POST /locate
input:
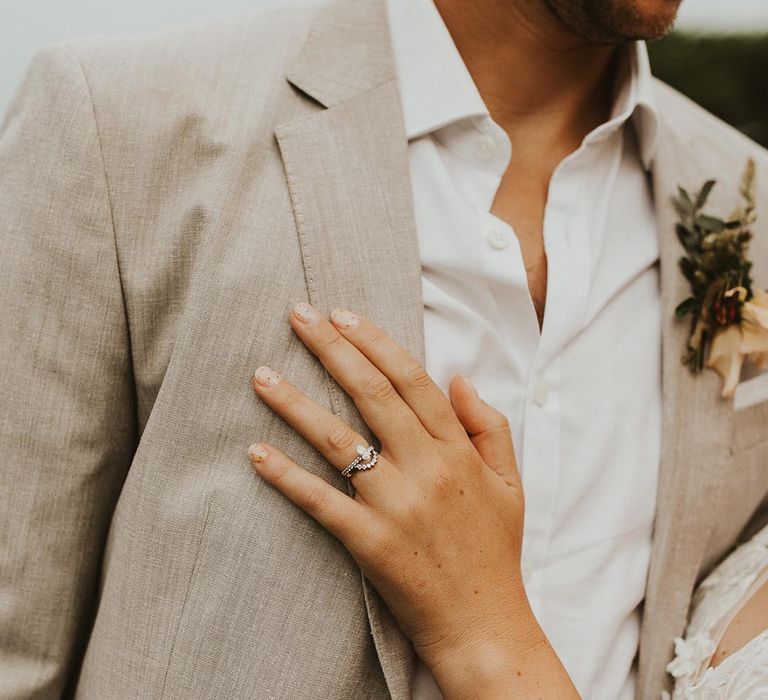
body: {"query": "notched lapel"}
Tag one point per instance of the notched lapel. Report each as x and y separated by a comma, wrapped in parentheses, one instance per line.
(348, 174)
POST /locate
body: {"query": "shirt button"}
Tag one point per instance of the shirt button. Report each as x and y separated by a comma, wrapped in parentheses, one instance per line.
(498, 238)
(540, 393)
(484, 148)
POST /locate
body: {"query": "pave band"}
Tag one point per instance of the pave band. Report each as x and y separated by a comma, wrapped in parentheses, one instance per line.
(366, 458)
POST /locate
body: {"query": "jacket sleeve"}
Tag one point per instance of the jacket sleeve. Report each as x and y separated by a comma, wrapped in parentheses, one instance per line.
(67, 400)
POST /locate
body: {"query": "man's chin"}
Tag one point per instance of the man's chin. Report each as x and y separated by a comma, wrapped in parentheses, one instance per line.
(616, 21)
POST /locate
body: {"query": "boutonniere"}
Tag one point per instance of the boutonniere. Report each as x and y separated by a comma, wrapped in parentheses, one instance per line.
(729, 319)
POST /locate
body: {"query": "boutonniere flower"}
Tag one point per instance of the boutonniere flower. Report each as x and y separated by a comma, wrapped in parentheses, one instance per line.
(729, 319)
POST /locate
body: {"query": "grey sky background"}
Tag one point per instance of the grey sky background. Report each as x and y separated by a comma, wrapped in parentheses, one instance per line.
(27, 25)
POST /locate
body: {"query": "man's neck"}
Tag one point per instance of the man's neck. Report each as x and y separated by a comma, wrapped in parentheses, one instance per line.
(538, 79)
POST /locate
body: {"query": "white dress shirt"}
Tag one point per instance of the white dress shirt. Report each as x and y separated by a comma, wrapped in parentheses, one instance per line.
(583, 396)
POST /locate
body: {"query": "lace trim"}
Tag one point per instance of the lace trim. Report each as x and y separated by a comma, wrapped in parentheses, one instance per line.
(716, 602)
(741, 676)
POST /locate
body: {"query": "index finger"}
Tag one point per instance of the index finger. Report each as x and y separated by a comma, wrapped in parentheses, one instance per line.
(408, 376)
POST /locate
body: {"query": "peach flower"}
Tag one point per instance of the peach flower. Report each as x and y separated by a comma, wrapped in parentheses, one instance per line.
(747, 339)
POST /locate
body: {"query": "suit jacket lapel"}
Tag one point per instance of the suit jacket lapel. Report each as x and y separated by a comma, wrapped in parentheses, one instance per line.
(348, 175)
(696, 430)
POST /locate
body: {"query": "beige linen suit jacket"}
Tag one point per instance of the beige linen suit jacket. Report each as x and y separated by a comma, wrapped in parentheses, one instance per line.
(164, 200)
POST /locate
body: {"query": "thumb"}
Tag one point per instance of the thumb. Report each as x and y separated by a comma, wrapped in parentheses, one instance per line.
(488, 429)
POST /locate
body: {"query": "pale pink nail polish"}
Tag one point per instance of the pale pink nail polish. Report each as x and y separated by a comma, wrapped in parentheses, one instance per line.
(305, 313)
(257, 453)
(266, 376)
(344, 318)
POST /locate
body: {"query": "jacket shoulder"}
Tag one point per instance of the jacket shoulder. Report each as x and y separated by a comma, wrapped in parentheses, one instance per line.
(183, 49)
(213, 71)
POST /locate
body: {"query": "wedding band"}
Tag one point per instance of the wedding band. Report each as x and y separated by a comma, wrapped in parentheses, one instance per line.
(366, 458)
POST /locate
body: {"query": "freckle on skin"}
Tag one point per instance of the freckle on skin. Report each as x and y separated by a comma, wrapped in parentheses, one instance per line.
(415, 554)
(475, 592)
(439, 566)
(461, 492)
(519, 673)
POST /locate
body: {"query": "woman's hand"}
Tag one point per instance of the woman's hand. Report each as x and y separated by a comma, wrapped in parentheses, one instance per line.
(436, 525)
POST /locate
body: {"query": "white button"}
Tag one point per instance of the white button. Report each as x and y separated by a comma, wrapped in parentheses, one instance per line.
(540, 393)
(498, 238)
(484, 147)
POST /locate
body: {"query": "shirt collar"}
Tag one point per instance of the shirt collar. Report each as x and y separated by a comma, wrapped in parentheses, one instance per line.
(436, 89)
(633, 100)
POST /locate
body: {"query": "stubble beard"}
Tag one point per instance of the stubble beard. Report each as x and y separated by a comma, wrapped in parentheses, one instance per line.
(610, 21)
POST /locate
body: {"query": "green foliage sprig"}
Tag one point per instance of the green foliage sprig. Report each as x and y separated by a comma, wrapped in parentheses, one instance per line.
(715, 262)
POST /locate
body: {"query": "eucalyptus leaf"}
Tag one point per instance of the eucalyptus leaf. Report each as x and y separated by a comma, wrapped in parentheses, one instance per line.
(704, 193)
(685, 198)
(683, 211)
(710, 223)
(685, 307)
(683, 234)
(688, 269)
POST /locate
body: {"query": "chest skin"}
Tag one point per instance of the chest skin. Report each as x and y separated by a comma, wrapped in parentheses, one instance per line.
(750, 621)
(520, 202)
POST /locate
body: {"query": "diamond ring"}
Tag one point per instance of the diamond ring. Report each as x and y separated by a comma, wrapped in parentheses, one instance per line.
(366, 458)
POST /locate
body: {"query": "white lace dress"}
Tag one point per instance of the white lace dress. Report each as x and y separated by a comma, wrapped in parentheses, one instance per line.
(744, 674)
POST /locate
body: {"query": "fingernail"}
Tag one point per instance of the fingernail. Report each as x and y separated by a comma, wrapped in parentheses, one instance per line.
(344, 318)
(257, 453)
(266, 376)
(305, 313)
(469, 384)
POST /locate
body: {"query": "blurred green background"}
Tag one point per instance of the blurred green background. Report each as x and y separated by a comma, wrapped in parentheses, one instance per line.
(728, 75)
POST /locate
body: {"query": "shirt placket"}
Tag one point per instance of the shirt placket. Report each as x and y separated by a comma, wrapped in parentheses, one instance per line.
(568, 263)
(485, 145)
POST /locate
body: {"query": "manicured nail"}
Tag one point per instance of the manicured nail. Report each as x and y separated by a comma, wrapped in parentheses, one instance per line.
(266, 376)
(469, 384)
(305, 313)
(344, 318)
(257, 453)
